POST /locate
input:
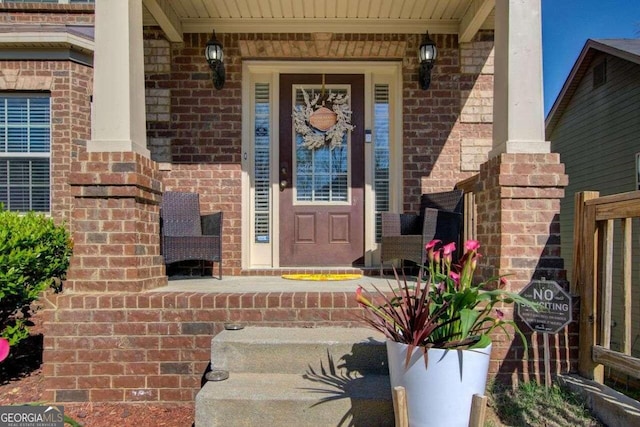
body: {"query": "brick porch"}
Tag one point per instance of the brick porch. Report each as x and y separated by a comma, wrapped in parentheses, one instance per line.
(155, 346)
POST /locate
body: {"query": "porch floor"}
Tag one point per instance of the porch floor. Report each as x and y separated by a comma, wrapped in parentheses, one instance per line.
(268, 284)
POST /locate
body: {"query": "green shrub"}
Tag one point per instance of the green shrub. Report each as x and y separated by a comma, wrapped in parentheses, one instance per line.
(34, 255)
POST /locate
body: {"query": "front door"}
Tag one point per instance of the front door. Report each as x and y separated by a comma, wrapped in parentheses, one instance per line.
(321, 189)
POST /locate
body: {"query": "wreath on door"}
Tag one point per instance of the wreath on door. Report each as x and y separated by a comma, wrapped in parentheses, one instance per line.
(320, 125)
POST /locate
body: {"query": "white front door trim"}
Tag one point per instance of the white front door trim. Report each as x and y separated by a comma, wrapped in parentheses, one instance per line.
(266, 255)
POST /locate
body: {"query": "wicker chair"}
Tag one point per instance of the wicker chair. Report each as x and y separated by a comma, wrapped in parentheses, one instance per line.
(185, 234)
(404, 236)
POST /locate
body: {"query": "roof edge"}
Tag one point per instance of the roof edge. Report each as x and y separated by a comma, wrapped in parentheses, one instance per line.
(608, 46)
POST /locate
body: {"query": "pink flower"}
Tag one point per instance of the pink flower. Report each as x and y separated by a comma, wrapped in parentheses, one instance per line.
(4, 348)
(432, 244)
(503, 283)
(499, 314)
(449, 248)
(455, 277)
(430, 247)
(471, 245)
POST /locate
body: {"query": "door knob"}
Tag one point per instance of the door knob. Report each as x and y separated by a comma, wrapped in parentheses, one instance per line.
(283, 176)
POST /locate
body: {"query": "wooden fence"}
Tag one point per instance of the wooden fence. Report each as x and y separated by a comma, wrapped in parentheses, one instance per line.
(470, 207)
(593, 268)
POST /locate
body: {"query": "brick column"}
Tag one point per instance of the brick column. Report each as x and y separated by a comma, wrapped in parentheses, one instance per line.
(518, 208)
(518, 226)
(115, 224)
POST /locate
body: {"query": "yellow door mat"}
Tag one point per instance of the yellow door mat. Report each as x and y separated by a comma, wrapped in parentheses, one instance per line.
(321, 277)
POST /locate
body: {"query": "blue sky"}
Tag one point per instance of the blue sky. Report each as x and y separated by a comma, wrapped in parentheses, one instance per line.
(566, 26)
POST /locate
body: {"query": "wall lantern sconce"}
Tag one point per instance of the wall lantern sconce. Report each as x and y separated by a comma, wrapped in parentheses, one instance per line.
(215, 57)
(427, 56)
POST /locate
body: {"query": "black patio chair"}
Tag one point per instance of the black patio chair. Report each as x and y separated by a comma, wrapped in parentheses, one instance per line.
(185, 233)
(405, 235)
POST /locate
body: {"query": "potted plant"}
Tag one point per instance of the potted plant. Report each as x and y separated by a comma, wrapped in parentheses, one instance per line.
(438, 333)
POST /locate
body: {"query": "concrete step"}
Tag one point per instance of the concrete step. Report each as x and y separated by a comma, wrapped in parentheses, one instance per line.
(297, 350)
(314, 400)
(297, 377)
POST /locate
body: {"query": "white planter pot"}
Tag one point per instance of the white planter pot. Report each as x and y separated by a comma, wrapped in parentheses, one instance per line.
(440, 394)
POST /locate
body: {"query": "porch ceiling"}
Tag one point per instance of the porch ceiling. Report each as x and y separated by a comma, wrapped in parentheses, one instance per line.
(461, 17)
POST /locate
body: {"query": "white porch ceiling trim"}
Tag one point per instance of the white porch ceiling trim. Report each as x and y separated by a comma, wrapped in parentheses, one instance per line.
(320, 25)
(46, 39)
(166, 19)
(474, 17)
(462, 17)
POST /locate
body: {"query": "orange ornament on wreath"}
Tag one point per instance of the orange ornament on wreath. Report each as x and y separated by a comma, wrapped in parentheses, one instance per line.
(323, 119)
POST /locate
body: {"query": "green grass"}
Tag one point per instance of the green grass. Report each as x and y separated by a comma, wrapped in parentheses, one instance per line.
(533, 405)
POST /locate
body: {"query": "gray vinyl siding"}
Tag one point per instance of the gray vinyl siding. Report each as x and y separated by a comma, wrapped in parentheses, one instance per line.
(597, 137)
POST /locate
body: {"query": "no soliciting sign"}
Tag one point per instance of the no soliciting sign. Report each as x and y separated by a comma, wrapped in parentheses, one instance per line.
(555, 306)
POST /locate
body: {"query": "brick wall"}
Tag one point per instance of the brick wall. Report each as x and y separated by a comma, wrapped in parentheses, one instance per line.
(195, 131)
(443, 145)
(69, 85)
(205, 124)
(157, 69)
(476, 101)
(155, 346)
(38, 13)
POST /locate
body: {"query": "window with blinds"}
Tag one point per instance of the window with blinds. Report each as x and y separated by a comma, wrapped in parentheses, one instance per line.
(25, 144)
(261, 153)
(381, 120)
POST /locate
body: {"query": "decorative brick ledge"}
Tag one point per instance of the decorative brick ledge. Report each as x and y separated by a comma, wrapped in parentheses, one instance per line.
(47, 8)
(116, 174)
